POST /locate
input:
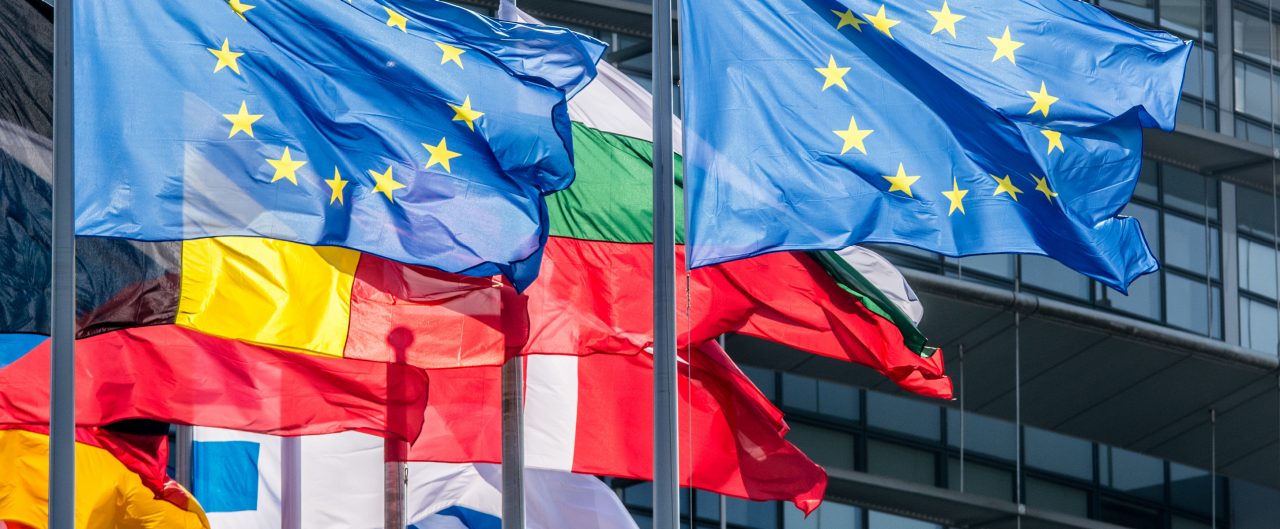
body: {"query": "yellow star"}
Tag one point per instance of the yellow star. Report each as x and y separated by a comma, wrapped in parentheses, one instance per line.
(853, 137)
(1055, 140)
(465, 113)
(946, 20)
(881, 22)
(956, 196)
(901, 182)
(1005, 46)
(396, 20)
(1042, 185)
(242, 121)
(336, 186)
(239, 7)
(1005, 185)
(385, 183)
(847, 18)
(1043, 100)
(835, 75)
(440, 154)
(226, 57)
(451, 54)
(286, 167)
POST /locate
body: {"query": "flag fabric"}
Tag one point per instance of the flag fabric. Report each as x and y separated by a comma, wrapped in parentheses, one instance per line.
(240, 479)
(176, 375)
(958, 129)
(120, 482)
(381, 126)
(581, 415)
(469, 496)
(594, 294)
(328, 301)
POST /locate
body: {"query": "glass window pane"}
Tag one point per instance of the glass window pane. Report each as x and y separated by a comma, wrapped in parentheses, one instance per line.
(1046, 273)
(1190, 192)
(830, 515)
(1253, 93)
(829, 448)
(1143, 10)
(1253, 506)
(1058, 453)
(897, 461)
(1188, 304)
(1186, 242)
(1255, 212)
(1258, 322)
(1257, 268)
(763, 379)
(753, 514)
(879, 520)
(980, 479)
(998, 266)
(1190, 489)
(904, 415)
(1148, 182)
(1144, 298)
(799, 392)
(838, 400)
(1193, 80)
(982, 434)
(1131, 472)
(1190, 113)
(822, 396)
(1052, 496)
(1252, 36)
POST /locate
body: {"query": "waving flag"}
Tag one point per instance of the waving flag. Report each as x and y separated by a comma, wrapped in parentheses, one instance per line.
(949, 126)
(120, 483)
(589, 414)
(594, 298)
(240, 479)
(380, 126)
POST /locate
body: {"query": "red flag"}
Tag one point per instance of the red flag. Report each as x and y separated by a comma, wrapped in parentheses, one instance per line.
(593, 414)
(172, 374)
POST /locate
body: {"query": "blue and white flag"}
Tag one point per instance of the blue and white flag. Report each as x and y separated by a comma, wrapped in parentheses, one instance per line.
(238, 477)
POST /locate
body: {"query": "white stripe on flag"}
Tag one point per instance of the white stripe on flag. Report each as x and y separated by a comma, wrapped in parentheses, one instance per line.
(551, 411)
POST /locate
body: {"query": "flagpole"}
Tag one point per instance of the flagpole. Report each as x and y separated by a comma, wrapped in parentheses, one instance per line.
(62, 393)
(666, 455)
(513, 505)
(395, 452)
(291, 483)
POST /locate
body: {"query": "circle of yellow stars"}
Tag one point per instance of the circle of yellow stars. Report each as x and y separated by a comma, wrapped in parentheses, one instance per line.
(945, 21)
(286, 166)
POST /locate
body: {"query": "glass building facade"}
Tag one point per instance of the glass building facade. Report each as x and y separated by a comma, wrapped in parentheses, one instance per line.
(1215, 233)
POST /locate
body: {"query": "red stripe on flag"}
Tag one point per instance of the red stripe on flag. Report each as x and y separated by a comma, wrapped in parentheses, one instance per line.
(172, 374)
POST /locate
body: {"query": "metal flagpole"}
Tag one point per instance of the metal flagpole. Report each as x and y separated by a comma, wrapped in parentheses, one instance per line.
(62, 416)
(395, 474)
(291, 483)
(666, 455)
(513, 444)
(183, 455)
(513, 508)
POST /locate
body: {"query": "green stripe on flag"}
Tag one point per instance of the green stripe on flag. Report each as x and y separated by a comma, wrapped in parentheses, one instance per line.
(611, 198)
(871, 297)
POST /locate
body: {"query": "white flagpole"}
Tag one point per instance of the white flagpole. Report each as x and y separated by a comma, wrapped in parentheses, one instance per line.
(62, 413)
(666, 455)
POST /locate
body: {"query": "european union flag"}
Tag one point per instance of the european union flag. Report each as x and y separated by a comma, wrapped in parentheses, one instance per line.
(958, 126)
(414, 130)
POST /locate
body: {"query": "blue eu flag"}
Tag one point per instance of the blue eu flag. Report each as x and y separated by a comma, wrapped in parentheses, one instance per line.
(414, 130)
(958, 126)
